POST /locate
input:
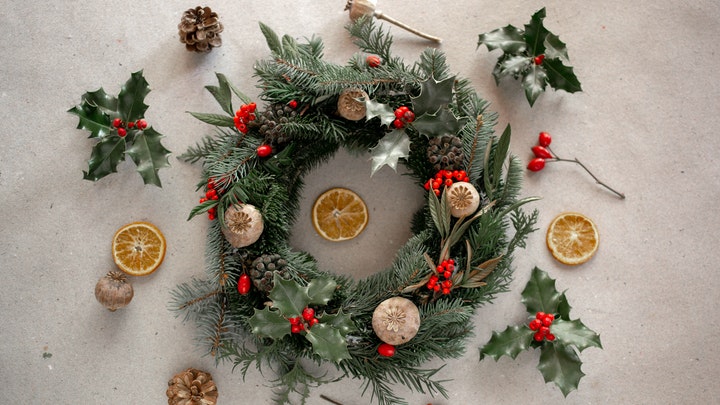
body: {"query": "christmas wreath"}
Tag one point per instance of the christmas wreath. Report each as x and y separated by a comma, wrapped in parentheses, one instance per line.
(265, 303)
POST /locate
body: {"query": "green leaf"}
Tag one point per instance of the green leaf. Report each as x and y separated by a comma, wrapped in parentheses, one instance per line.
(437, 213)
(99, 98)
(433, 95)
(93, 119)
(272, 39)
(289, 297)
(564, 307)
(575, 333)
(540, 294)
(214, 119)
(510, 342)
(383, 111)
(554, 47)
(560, 76)
(130, 100)
(561, 365)
(534, 82)
(149, 155)
(440, 123)
(222, 94)
(328, 342)
(389, 149)
(512, 65)
(105, 157)
(339, 321)
(321, 290)
(267, 323)
(202, 208)
(501, 152)
(535, 33)
(509, 39)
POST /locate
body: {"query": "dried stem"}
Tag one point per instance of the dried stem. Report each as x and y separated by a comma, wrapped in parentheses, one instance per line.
(575, 160)
(381, 16)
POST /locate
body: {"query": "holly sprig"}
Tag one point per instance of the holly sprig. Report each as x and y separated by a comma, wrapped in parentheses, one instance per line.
(119, 126)
(559, 338)
(535, 54)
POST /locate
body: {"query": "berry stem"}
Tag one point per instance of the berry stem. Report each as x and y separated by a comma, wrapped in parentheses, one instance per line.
(381, 16)
(575, 160)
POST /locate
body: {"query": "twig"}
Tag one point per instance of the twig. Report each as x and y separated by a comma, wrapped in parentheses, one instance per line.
(332, 401)
(575, 160)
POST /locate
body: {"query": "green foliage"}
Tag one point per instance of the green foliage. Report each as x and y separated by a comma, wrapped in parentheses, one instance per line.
(521, 47)
(96, 112)
(559, 361)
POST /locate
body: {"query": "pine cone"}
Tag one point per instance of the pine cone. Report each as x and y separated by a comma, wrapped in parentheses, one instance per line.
(200, 29)
(270, 122)
(445, 153)
(192, 387)
(264, 268)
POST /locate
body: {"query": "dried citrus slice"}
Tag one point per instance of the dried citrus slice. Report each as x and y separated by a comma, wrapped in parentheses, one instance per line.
(138, 248)
(572, 238)
(339, 214)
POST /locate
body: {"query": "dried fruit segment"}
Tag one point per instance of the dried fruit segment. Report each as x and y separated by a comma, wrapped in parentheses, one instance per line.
(138, 248)
(339, 214)
(572, 238)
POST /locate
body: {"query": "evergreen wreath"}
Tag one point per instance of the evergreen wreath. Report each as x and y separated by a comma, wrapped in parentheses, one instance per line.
(264, 303)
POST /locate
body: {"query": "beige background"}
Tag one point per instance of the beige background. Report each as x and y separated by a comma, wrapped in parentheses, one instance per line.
(646, 123)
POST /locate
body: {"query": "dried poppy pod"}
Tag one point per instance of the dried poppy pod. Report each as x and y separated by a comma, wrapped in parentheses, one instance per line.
(349, 105)
(396, 320)
(464, 199)
(243, 225)
(113, 291)
(360, 8)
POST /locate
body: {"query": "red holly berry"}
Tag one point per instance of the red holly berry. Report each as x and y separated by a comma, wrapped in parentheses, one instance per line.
(313, 322)
(295, 320)
(541, 152)
(141, 124)
(121, 132)
(538, 336)
(264, 151)
(547, 321)
(131, 124)
(544, 139)
(536, 164)
(373, 61)
(400, 111)
(386, 350)
(397, 123)
(308, 314)
(293, 104)
(252, 107)
(117, 123)
(539, 59)
(540, 315)
(408, 117)
(296, 328)
(243, 284)
(535, 324)
(550, 337)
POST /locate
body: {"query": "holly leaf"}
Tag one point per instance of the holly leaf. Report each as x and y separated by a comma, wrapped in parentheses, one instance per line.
(99, 98)
(564, 307)
(442, 122)
(554, 47)
(93, 119)
(510, 342)
(389, 149)
(321, 290)
(534, 82)
(339, 321)
(513, 65)
(105, 157)
(383, 111)
(130, 100)
(149, 155)
(289, 297)
(575, 333)
(328, 342)
(560, 76)
(540, 294)
(535, 33)
(433, 95)
(561, 365)
(267, 323)
(509, 39)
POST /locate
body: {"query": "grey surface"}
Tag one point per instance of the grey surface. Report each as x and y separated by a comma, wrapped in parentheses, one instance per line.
(646, 122)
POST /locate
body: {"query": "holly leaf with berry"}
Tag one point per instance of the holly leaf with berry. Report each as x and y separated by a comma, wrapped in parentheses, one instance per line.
(119, 125)
(558, 337)
(534, 55)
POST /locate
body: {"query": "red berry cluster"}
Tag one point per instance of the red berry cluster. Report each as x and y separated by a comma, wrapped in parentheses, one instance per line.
(306, 321)
(445, 178)
(211, 194)
(243, 115)
(243, 284)
(444, 270)
(541, 326)
(403, 116)
(541, 152)
(120, 125)
(373, 61)
(539, 59)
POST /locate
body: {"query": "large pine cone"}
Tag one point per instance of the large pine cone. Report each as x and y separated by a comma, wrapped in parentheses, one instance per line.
(192, 387)
(200, 29)
(270, 123)
(264, 268)
(445, 153)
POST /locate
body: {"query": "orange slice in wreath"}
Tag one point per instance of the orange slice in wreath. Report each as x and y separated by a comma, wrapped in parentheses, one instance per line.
(138, 248)
(572, 238)
(339, 214)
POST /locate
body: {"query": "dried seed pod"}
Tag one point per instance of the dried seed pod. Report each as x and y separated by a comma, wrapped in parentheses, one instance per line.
(349, 105)
(243, 225)
(464, 199)
(113, 290)
(192, 387)
(396, 320)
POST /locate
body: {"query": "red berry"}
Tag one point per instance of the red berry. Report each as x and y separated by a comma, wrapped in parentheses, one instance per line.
(131, 124)
(447, 274)
(252, 107)
(296, 328)
(408, 116)
(539, 59)
(547, 321)
(117, 123)
(295, 320)
(141, 124)
(313, 322)
(241, 127)
(536, 165)
(446, 291)
(448, 182)
(540, 315)
(550, 337)
(541, 152)
(397, 123)
(538, 336)
(121, 132)
(544, 330)
(544, 139)
(264, 151)
(386, 350)
(551, 316)
(373, 61)
(437, 192)
(308, 314)
(243, 284)
(436, 287)
(293, 104)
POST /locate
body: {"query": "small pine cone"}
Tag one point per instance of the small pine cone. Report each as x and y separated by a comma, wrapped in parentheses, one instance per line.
(200, 29)
(192, 387)
(264, 268)
(270, 122)
(445, 153)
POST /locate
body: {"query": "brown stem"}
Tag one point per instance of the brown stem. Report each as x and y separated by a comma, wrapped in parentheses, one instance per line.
(332, 401)
(575, 160)
(380, 16)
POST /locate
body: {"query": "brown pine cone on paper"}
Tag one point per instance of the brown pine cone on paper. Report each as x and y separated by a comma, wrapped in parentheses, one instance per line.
(192, 387)
(200, 29)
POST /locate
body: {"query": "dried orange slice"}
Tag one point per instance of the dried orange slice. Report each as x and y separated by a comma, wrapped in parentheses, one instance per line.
(339, 214)
(138, 248)
(572, 238)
